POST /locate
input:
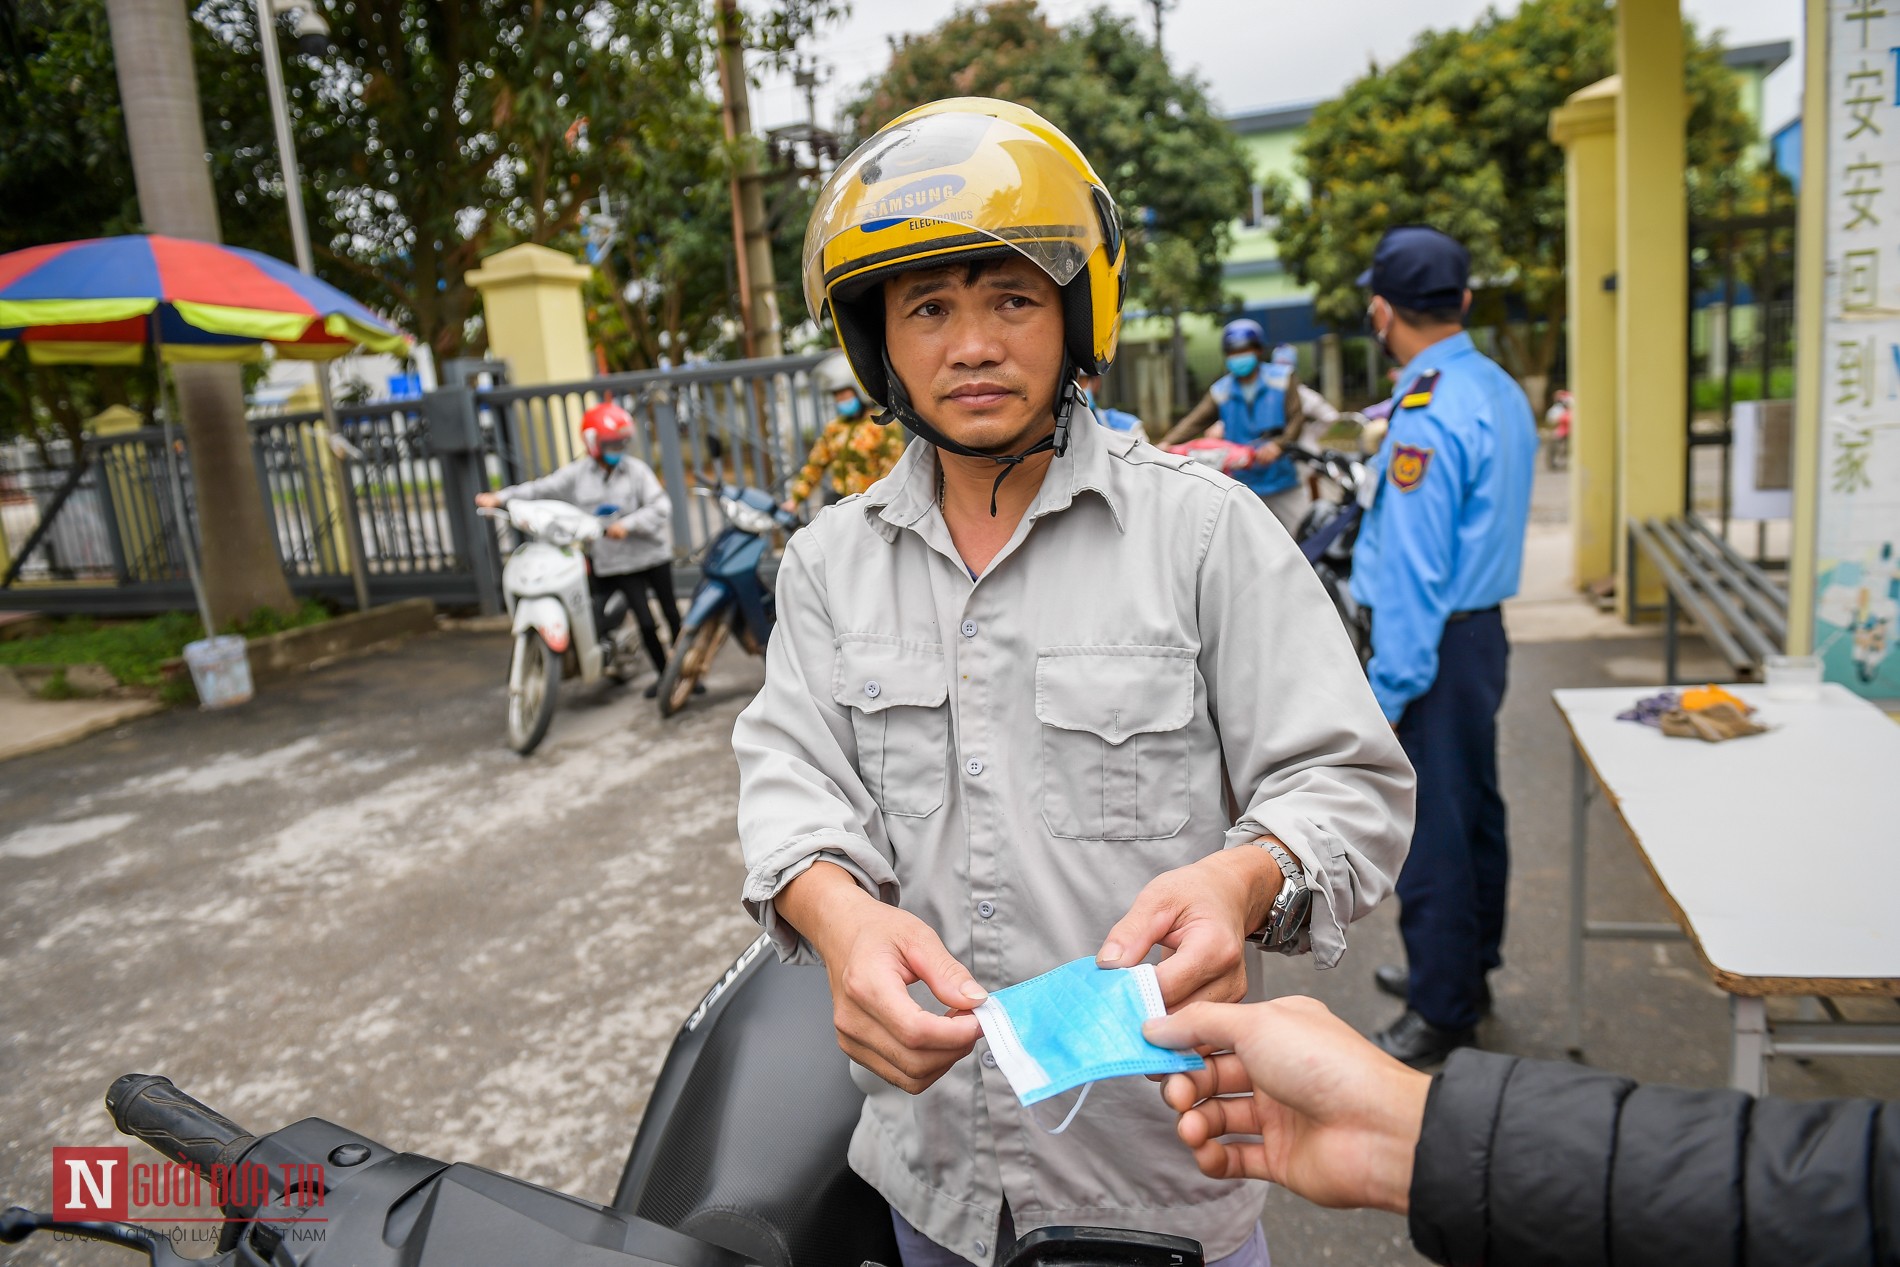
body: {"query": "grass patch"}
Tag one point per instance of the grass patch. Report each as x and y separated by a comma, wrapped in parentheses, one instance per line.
(1746, 385)
(133, 651)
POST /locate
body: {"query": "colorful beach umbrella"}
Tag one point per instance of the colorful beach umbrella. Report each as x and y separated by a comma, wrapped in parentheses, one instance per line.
(98, 301)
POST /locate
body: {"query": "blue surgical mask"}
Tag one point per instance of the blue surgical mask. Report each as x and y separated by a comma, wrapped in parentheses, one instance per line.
(1241, 364)
(610, 459)
(1075, 1025)
(850, 407)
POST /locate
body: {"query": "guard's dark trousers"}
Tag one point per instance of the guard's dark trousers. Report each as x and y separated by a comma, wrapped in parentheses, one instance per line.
(1452, 887)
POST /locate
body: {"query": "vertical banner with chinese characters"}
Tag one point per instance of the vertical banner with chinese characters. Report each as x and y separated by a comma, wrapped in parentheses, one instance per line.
(1857, 526)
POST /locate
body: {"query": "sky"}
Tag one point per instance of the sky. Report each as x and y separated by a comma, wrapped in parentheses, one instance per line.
(1250, 53)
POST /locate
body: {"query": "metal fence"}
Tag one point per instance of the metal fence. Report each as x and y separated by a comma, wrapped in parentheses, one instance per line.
(1741, 341)
(748, 422)
(409, 471)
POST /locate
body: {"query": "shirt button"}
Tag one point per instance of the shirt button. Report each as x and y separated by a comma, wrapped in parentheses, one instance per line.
(871, 689)
(969, 629)
(973, 767)
(989, 1060)
(986, 908)
(981, 1249)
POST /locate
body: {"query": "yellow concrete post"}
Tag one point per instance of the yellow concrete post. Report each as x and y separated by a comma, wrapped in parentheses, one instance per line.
(1810, 299)
(531, 301)
(1585, 126)
(1652, 271)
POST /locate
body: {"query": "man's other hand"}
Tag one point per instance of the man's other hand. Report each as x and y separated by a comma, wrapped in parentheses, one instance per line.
(1337, 1119)
(617, 531)
(1201, 914)
(873, 953)
(488, 501)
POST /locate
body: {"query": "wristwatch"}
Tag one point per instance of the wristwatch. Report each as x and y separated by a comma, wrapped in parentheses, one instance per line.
(1292, 908)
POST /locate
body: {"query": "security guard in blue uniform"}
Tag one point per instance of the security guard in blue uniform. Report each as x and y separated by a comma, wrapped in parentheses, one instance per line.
(1257, 403)
(1441, 547)
(1114, 419)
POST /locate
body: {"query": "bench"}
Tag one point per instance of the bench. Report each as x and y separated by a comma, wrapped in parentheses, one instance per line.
(1738, 607)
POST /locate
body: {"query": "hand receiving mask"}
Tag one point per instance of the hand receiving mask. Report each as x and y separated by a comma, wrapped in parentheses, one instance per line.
(1074, 1025)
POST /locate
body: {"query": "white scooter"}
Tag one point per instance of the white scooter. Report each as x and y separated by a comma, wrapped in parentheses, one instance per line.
(545, 582)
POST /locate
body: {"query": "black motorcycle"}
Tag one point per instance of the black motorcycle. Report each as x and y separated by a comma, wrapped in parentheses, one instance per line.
(1330, 529)
(740, 1159)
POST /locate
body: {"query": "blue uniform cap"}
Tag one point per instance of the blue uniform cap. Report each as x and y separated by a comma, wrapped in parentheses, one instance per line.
(1419, 268)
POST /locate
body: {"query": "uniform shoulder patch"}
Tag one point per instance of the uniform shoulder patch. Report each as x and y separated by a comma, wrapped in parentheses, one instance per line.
(1409, 464)
(1421, 391)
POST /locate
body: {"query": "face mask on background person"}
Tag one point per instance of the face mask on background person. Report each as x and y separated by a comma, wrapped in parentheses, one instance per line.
(1241, 364)
(850, 407)
(1075, 1025)
(1378, 335)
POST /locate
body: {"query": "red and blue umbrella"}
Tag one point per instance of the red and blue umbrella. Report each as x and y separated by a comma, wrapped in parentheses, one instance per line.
(99, 301)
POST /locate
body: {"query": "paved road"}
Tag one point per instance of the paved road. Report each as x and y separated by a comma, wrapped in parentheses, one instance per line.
(349, 900)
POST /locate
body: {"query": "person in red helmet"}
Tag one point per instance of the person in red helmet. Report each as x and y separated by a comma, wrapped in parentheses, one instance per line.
(635, 553)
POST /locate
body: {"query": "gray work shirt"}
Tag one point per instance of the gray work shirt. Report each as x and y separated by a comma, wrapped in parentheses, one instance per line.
(1013, 758)
(641, 504)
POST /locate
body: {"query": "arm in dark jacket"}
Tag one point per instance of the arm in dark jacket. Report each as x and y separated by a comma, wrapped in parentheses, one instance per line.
(1524, 1161)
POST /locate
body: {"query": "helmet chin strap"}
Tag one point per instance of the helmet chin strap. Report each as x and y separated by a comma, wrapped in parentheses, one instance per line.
(1056, 442)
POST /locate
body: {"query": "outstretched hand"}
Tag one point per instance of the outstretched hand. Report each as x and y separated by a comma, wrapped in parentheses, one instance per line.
(1317, 1108)
(1201, 914)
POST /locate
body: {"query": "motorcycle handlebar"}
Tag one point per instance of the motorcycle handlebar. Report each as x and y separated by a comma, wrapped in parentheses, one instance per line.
(150, 1108)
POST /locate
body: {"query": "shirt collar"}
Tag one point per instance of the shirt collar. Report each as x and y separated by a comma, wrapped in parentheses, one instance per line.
(909, 492)
(1438, 353)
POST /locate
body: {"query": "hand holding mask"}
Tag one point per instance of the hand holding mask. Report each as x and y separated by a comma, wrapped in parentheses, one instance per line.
(1074, 1025)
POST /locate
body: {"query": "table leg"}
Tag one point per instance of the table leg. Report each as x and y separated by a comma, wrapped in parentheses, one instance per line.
(1671, 614)
(1748, 1064)
(1579, 829)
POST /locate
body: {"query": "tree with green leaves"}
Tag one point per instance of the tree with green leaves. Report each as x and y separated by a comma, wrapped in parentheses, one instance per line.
(66, 172)
(432, 135)
(1175, 169)
(1455, 134)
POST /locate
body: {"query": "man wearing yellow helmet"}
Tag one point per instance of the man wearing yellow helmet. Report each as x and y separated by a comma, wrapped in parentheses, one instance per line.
(1015, 688)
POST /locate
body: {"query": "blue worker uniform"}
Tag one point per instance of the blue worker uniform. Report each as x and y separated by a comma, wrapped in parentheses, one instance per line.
(1252, 414)
(1119, 420)
(1441, 546)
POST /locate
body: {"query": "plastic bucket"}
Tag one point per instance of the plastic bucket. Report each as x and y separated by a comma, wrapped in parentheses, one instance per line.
(219, 670)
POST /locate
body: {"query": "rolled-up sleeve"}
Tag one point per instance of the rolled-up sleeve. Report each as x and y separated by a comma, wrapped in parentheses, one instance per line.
(1308, 752)
(801, 799)
(556, 485)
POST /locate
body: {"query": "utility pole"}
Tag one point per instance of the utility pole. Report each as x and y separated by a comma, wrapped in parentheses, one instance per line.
(339, 447)
(752, 245)
(1159, 7)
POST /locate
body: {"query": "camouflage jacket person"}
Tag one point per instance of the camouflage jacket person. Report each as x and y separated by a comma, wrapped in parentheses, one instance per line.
(855, 452)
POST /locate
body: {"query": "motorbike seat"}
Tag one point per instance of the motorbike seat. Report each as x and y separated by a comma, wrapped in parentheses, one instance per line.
(743, 1142)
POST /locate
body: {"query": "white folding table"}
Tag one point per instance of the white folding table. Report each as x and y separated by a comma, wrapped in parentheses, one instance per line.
(1778, 854)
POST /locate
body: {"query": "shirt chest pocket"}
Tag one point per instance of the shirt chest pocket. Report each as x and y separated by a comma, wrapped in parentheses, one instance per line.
(899, 700)
(1115, 740)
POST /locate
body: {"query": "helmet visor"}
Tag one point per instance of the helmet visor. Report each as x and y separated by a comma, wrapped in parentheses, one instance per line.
(942, 185)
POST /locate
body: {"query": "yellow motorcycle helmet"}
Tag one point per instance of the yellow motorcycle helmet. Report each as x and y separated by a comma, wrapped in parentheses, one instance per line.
(957, 181)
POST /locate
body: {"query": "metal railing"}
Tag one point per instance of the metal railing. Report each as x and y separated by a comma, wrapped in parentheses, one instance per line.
(409, 470)
(1741, 339)
(748, 422)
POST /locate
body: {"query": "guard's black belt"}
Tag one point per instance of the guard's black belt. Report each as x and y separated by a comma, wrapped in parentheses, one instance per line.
(1455, 617)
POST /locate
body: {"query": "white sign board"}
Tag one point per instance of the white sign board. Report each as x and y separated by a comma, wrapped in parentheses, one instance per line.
(1857, 546)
